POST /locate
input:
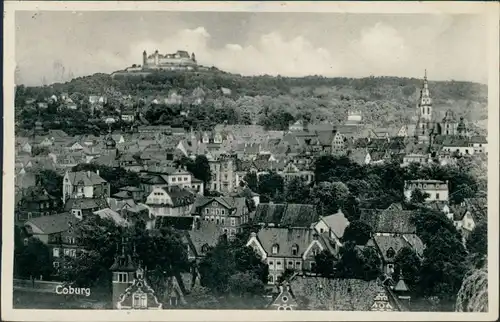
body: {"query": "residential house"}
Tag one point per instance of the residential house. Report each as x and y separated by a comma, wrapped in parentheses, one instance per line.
(203, 236)
(287, 248)
(294, 170)
(228, 213)
(335, 294)
(286, 215)
(298, 126)
(388, 246)
(84, 184)
(479, 144)
(223, 171)
(57, 232)
(417, 158)
(458, 144)
(84, 207)
(35, 202)
(170, 201)
(333, 225)
(467, 215)
(437, 190)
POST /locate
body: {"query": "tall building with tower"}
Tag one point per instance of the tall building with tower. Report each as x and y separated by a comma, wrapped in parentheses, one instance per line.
(130, 289)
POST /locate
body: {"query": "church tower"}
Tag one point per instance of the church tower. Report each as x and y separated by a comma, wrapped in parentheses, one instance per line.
(123, 270)
(144, 58)
(424, 108)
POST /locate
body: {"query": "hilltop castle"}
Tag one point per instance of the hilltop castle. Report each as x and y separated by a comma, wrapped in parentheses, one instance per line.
(181, 60)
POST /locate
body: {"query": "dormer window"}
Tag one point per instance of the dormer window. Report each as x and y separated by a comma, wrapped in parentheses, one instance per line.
(295, 250)
(390, 253)
(275, 249)
(204, 248)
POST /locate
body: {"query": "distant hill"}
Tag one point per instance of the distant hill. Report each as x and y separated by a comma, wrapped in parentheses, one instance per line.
(384, 101)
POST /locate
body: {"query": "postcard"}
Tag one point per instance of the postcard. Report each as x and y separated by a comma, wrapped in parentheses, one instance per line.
(241, 161)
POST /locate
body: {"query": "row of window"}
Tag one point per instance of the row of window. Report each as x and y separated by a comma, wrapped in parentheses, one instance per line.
(67, 252)
(219, 220)
(180, 179)
(276, 248)
(216, 211)
(290, 264)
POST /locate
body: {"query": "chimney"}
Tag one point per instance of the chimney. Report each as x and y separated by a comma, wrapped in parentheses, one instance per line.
(88, 174)
(97, 171)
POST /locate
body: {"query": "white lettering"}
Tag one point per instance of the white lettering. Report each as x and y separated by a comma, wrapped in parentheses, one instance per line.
(72, 290)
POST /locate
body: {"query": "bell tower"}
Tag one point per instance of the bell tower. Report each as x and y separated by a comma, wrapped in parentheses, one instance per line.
(144, 58)
(123, 271)
(425, 101)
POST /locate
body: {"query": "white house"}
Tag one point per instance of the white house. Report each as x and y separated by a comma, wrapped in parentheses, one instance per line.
(437, 190)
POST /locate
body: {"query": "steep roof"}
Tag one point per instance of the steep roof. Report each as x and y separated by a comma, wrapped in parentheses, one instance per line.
(54, 223)
(111, 214)
(286, 238)
(385, 243)
(391, 220)
(236, 204)
(291, 215)
(88, 178)
(318, 293)
(180, 196)
(337, 223)
(207, 233)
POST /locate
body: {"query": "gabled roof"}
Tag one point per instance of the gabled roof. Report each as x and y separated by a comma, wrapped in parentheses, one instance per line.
(290, 215)
(385, 243)
(207, 233)
(319, 293)
(88, 178)
(286, 238)
(85, 203)
(235, 204)
(337, 223)
(54, 223)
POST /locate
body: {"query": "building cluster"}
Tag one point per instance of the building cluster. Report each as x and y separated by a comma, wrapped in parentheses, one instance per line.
(290, 235)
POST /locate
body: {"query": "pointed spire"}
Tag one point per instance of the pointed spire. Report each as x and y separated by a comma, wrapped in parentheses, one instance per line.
(425, 74)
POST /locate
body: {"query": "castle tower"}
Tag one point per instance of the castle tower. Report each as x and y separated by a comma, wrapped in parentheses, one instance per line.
(157, 58)
(144, 58)
(123, 271)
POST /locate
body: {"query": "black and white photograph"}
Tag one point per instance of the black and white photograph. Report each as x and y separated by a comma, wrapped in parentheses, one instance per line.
(199, 158)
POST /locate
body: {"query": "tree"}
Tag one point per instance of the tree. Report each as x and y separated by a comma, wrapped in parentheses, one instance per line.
(329, 196)
(33, 259)
(251, 181)
(271, 186)
(445, 257)
(357, 232)
(407, 263)
(358, 263)
(297, 191)
(418, 196)
(51, 181)
(477, 243)
(161, 252)
(116, 177)
(325, 263)
(200, 169)
(201, 298)
(232, 270)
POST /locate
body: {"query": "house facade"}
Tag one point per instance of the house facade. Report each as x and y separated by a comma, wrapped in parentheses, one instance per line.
(170, 201)
(437, 190)
(287, 248)
(84, 184)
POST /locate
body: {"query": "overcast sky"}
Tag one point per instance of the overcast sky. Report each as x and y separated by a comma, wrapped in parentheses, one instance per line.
(288, 44)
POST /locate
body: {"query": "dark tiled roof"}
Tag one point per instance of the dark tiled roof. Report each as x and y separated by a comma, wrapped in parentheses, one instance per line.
(85, 203)
(88, 178)
(337, 223)
(285, 238)
(386, 243)
(391, 220)
(180, 196)
(181, 223)
(286, 215)
(207, 233)
(54, 223)
(318, 293)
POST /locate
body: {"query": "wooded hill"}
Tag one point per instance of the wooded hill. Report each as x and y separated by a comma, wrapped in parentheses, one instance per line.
(277, 101)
